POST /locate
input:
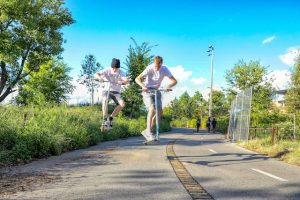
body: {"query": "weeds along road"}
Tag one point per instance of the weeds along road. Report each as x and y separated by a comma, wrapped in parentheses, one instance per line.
(201, 166)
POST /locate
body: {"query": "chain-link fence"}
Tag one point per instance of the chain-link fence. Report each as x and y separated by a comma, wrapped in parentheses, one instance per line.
(239, 121)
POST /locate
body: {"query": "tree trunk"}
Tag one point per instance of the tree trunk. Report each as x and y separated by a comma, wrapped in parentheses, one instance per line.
(5, 94)
(294, 131)
(3, 76)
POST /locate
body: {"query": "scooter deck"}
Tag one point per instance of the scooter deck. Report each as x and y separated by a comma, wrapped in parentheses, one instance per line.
(151, 142)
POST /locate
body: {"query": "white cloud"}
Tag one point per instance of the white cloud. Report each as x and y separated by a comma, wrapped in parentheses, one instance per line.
(281, 78)
(180, 73)
(269, 39)
(291, 54)
(81, 94)
(198, 81)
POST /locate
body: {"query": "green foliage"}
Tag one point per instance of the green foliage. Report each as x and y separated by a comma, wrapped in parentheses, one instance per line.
(138, 59)
(30, 35)
(220, 104)
(293, 94)
(51, 84)
(288, 151)
(28, 133)
(187, 106)
(185, 110)
(245, 75)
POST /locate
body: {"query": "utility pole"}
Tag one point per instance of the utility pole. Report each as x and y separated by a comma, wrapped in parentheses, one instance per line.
(211, 53)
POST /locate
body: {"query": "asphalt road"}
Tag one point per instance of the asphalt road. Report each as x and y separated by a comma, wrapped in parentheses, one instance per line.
(127, 169)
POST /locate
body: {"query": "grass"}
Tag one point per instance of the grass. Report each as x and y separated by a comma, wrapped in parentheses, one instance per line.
(28, 133)
(288, 151)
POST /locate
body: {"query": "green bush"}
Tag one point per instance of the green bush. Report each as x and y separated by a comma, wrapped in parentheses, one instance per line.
(222, 124)
(28, 133)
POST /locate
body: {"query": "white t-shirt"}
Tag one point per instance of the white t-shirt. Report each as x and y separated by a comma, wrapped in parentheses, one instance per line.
(113, 78)
(154, 78)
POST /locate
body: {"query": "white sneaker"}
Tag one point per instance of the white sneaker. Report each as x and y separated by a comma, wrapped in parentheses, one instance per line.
(107, 124)
(148, 135)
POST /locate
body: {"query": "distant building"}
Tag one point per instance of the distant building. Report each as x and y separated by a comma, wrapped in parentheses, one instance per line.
(279, 99)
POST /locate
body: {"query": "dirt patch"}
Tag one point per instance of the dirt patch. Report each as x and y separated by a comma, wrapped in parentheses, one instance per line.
(12, 183)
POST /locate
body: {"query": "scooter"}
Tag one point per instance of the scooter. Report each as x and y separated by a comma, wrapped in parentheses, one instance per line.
(105, 126)
(155, 92)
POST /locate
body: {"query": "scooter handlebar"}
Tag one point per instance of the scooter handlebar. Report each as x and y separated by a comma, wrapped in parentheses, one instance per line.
(159, 89)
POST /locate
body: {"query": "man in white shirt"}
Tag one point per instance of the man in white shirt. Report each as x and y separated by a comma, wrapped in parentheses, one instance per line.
(115, 77)
(153, 75)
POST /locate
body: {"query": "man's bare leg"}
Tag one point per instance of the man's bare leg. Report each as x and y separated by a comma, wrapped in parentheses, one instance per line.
(150, 116)
(153, 122)
(118, 109)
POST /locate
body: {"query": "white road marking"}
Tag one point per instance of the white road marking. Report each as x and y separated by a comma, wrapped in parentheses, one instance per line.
(213, 151)
(268, 174)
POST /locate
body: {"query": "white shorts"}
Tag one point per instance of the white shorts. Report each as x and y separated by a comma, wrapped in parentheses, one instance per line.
(149, 99)
(115, 96)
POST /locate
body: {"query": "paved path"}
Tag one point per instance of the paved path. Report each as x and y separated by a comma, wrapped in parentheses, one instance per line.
(126, 169)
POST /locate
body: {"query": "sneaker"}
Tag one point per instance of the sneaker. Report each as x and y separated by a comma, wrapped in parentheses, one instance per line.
(110, 121)
(153, 135)
(106, 124)
(148, 135)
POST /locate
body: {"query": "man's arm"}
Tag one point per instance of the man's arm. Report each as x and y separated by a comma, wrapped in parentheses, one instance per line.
(99, 75)
(172, 83)
(138, 80)
(123, 81)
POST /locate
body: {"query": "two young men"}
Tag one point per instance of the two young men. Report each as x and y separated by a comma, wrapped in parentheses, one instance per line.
(153, 75)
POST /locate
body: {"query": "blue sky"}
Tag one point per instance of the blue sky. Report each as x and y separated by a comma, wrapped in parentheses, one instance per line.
(183, 30)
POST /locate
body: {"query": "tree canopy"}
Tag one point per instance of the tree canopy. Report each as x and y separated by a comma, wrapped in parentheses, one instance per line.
(30, 35)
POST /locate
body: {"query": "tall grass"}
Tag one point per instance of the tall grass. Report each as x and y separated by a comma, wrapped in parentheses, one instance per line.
(28, 133)
(287, 150)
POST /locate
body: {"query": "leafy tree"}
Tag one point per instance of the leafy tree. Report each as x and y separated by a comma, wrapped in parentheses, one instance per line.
(293, 94)
(89, 67)
(30, 35)
(201, 106)
(138, 59)
(50, 84)
(245, 75)
(187, 105)
(220, 104)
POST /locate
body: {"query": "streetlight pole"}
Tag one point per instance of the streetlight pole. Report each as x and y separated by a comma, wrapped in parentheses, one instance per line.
(211, 53)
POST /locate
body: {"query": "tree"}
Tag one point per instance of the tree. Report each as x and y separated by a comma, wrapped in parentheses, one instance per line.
(89, 67)
(220, 104)
(50, 84)
(187, 106)
(200, 105)
(245, 75)
(30, 35)
(293, 94)
(138, 59)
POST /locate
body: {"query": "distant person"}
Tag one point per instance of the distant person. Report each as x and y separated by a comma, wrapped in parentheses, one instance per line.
(214, 124)
(198, 124)
(208, 124)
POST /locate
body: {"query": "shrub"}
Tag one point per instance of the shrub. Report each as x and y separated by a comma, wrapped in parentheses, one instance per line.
(31, 132)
